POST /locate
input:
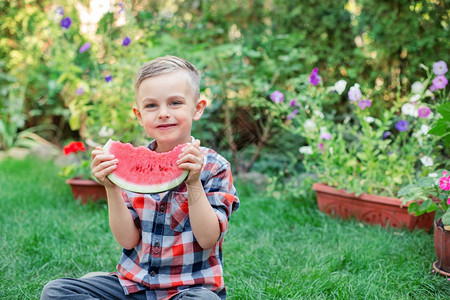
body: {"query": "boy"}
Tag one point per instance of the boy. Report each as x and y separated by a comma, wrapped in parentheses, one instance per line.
(172, 241)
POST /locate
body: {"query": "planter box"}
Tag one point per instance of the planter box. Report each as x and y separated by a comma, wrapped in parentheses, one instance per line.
(86, 190)
(372, 209)
(442, 249)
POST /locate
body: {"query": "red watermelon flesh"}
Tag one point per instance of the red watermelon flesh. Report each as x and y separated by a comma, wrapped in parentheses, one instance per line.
(142, 170)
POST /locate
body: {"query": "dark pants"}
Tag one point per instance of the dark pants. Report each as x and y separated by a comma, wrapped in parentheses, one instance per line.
(108, 287)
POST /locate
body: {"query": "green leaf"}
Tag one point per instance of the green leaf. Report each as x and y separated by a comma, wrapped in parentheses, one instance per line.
(426, 182)
(444, 110)
(439, 129)
(446, 218)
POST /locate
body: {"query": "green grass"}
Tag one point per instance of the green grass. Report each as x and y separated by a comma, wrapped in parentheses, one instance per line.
(275, 249)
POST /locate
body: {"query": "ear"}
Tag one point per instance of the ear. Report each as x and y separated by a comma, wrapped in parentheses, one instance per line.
(138, 115)
(199, 108)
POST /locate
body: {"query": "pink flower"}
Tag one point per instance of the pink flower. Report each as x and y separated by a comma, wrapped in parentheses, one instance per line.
(440, 82)
(444, 182)
(314, 78)
(277, 97)
(424, 112)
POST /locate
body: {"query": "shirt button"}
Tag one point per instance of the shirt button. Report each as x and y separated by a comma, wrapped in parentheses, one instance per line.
(153, 273)
(157, 244)
(161, 208)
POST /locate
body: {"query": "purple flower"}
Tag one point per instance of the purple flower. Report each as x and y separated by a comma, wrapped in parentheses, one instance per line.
(402, 125)
(365, 103)
(293, 103)
(386, 134)
(292, 114)
(325, 136)
(121, 5)
(80, 91)
(423, 112)
(60, 10)
(85, 47)
(314, 78)
(440, 67)
(277, 97)
(440, 82)
(108, 78)
(354, 93)
(126, 41)
(66, 22)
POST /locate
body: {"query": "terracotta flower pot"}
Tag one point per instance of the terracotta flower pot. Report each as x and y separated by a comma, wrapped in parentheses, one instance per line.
(442, 249)
(372, 209)
(86, 190)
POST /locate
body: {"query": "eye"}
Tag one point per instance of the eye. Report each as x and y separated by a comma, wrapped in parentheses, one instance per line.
(150, 105)
(176, 103)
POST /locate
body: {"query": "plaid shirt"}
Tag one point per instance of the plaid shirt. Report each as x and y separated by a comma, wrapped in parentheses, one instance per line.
(168, 258)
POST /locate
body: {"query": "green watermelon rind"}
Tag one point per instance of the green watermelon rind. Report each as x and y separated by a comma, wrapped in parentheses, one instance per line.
(143, 189)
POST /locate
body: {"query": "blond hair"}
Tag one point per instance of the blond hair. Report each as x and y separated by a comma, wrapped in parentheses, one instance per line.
(168, 64)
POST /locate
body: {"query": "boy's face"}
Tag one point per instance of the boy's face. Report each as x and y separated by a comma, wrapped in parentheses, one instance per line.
(165, 107)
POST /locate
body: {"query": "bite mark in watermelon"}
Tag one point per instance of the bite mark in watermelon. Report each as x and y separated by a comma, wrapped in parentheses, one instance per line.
(142, 170)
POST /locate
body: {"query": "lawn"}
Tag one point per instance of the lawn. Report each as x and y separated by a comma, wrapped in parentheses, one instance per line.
(275, 249)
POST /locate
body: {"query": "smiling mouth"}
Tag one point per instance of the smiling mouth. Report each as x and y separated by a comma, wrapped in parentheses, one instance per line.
(165, 126)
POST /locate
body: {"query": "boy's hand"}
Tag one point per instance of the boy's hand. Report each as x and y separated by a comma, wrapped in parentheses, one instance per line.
(102, 165)
(192, 159)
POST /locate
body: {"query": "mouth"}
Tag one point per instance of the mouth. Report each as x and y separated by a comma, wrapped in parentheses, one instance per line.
(166, 126)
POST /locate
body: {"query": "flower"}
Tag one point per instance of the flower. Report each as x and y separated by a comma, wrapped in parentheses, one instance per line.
(306, 150)
(364, 103)
(292, 114)
(310, 125)
(80, 165)
(66, 22)
(444, 182)
(126, 41)
(293, 103)
(325, 136)
(386, 134)
(426, 161)
(105, 132)
(73, 147)
(440, 82)
(314, 78)
(417, 87)
(354, 93)
(424, 112)
(84, 47)
(80, 91)
(409, 109)
(339, 86)
(402, 125)
(60, 10)
(414, 98)
(108, 78)
(277, 97)
(440, 67)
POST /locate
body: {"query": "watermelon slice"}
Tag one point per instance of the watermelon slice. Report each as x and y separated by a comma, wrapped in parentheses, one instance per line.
(142, 170)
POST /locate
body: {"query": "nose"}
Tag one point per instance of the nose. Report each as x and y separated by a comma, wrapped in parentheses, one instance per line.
(163, 112)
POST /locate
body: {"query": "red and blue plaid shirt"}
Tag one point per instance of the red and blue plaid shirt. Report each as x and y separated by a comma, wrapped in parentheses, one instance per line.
(168, 258)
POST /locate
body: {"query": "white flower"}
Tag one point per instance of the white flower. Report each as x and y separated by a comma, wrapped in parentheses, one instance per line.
(417, 87)
(106, 132)
(426, 161)
(306, 150)
(323, 129)
(424, 129)
(369, 119)
(318, 113)
(331, 150)
(310, 125)
(433, 175)
(409, 109)
(339, 86)
(414, 98)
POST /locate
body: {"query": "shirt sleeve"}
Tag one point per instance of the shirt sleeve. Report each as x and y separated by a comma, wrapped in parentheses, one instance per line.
(133, 212)
(221, 193)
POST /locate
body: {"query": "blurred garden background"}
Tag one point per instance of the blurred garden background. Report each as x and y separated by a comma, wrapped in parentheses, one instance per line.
(350, 92)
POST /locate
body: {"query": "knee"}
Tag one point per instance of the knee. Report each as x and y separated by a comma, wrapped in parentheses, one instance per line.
(53, 290)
